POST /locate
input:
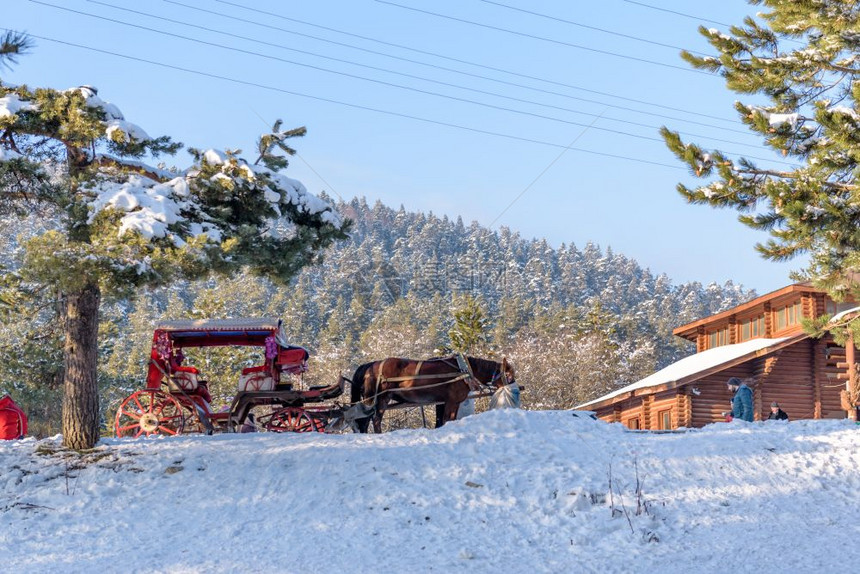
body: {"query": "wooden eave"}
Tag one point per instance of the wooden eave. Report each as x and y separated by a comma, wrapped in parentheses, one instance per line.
(690, 330)
(668, 386)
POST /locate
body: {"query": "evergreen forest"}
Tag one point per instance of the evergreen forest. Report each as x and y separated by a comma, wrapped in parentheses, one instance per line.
(576, 323)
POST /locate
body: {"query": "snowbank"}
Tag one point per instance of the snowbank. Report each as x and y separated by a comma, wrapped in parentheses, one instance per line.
(504, 491)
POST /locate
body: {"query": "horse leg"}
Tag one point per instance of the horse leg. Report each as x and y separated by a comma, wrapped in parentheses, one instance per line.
(449, 413)
(440, 414)
(363, 424)
(381, 405)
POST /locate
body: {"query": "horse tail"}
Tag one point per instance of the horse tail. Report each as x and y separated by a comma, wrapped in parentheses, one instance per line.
(357, 385)
(362, 413)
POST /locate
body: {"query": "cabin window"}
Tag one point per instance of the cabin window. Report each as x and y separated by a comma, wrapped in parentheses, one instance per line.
(752, 328)
(718, 338)
(788, 316)
(664, 419)
(832, 307)
(633, 424)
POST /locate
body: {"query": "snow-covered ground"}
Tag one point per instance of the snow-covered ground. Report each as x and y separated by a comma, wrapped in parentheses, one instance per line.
(504, 491)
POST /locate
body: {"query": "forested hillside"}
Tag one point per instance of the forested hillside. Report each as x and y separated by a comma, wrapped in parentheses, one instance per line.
(575, 322)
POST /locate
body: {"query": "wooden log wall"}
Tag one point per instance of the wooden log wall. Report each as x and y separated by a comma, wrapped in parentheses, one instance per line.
(662, 402)
(714, 397)
(610, 413)
(684, 408)
(789, 381)
(632, 410)
(606, 414)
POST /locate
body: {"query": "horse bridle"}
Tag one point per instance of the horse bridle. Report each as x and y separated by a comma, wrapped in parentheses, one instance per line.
(500, 374)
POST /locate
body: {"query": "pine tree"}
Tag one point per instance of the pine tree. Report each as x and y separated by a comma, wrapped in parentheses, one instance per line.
(119, 225)
(470, 331)
(12, 45)
(801, 57)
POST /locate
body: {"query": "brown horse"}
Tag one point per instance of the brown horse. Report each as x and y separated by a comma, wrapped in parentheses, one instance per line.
(445, 381)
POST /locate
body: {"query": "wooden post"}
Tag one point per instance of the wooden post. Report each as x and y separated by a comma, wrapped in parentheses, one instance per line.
(818, 368)
(850, 358)
(757, 406)
(685, 408)
(768, 321)
(646, 411)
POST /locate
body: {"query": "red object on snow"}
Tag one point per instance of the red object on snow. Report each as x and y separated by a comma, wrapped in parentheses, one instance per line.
(13, 421)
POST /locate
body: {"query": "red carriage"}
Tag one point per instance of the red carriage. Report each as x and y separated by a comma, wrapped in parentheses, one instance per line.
(176, 398)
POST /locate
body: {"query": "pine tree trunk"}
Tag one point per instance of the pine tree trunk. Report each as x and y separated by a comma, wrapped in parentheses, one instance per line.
(80, 388)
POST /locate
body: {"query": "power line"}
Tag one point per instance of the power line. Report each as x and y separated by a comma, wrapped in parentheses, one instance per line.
(692, 17)
(346, 104)
(550, 92)
(484, 92)
(381, 82)
(697, 18)
(541, 38)
(586, 26)
(451, 59)
(298, 155)
(412, 76)
(344, 74)
(540, 175)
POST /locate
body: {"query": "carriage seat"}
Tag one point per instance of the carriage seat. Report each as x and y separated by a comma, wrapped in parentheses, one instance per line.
(292, 360)
(256, 379)
(183, 379)
(186, 380)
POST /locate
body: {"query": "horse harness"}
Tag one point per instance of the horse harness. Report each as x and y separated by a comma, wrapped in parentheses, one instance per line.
(464, 370)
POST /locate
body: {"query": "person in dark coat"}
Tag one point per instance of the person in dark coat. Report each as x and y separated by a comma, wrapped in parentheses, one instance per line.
(742, 401)
(250, 425)
(776, 413)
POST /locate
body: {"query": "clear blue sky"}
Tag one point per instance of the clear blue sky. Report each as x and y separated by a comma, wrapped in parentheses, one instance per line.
(410, 102)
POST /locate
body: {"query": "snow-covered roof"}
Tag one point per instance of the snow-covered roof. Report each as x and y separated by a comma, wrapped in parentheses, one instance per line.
(241, 324)
(841, 315)
(697, 363)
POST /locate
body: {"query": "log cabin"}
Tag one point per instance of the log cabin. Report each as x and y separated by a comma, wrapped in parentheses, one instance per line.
(761, 341)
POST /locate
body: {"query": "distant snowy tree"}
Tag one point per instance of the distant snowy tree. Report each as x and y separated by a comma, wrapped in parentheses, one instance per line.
(566, 357)
(470, 332)
(798, 62)
(337, 343)
(295, 306)
(397, 332)
(118, 224)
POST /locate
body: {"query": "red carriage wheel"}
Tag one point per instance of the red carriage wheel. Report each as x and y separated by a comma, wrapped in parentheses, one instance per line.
(148, 412)
(293, 419)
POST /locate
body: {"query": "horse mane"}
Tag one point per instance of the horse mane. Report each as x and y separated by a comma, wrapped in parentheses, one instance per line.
(483, 365)
(357, 383)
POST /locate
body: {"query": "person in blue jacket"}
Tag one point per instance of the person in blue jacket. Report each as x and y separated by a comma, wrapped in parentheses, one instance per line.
(742, 401)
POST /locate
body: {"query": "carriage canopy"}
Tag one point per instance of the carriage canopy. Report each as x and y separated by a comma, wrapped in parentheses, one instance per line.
(172, 336)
